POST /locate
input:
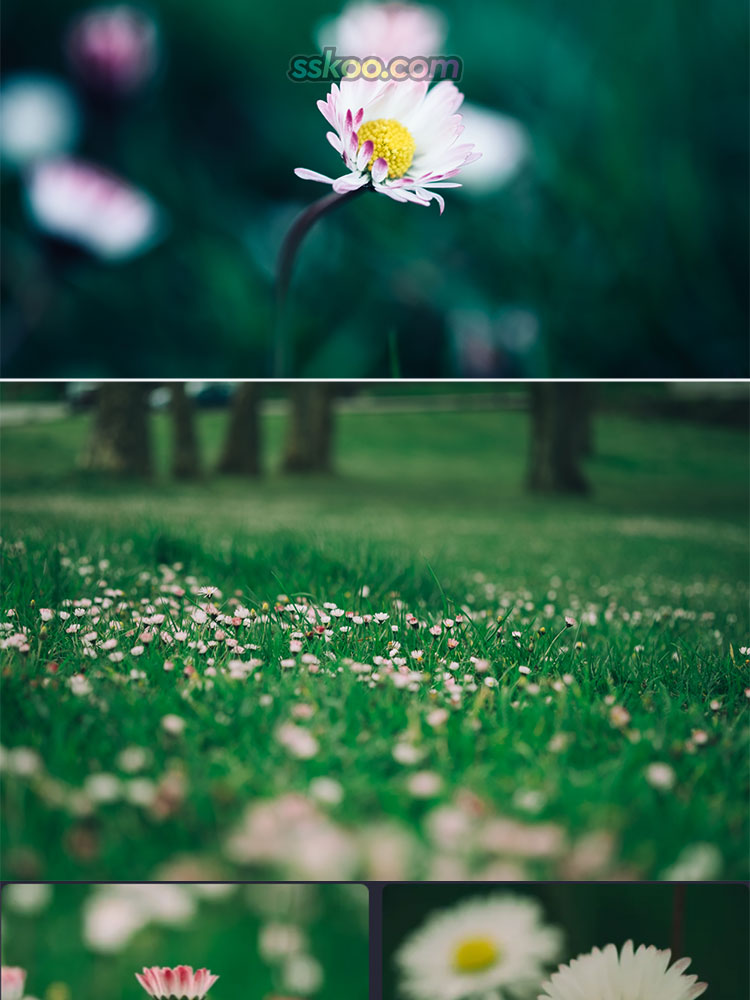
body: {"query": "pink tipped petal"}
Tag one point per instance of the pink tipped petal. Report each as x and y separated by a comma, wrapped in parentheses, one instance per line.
(312, 175)
(335, 141)
(379, 170)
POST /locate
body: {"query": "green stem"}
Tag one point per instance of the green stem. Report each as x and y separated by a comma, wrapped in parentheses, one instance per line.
(289, 249)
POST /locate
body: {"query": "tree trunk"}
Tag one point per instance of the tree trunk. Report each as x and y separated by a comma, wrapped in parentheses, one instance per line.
(185, 458)
(558, 437)
(241, 453)
(120, 442)
(309, 438)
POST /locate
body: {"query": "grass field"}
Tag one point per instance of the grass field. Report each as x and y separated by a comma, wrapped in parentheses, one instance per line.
(86, 942)
(216, 681)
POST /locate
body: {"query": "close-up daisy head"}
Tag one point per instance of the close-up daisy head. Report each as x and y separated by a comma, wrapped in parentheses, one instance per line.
(400, 139)
(179, 982)
(497, 945)
(606, 974)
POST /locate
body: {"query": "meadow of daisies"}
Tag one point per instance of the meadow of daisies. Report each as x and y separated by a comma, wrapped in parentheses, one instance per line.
(412, 669)
(88, 942)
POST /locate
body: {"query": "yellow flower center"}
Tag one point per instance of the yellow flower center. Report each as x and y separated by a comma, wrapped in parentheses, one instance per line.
(475, 955)
(391, 141)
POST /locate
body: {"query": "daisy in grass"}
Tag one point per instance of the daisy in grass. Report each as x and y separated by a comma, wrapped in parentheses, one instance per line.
(400, 139)
(630, 975)
(181, 981)
(497, 946)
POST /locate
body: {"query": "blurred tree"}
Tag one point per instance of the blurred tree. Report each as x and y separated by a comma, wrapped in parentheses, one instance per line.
(185, 455)
(560, 436)
(309, 437)
(120, 442)
(241, 455)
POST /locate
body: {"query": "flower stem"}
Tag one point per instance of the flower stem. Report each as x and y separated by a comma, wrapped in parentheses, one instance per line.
(289, 248)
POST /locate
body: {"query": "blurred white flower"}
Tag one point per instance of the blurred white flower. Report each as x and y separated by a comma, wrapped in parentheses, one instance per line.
(385, 30)
(109, 922)
(278, 940)
(504, 143)
(302, 974)
(39, 118)
(92, 208)
(299, 741)
(133, 759)
(12, 981)
(660, 775)
(605, 973)
(80, 685)
(695, 863)
(114, 913)
(27, 897)
(114, 50)
(480, 947)
(102, 788)
(424, 784)
(326, 790)
(23, 761)
(173, 724)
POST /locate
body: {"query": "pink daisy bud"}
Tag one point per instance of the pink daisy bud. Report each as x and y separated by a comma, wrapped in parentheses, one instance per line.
(180, 982)
(113, 50)
(12, 982)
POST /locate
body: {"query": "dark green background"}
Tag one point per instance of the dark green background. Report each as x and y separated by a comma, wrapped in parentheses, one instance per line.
(716, 929)
(626, 237)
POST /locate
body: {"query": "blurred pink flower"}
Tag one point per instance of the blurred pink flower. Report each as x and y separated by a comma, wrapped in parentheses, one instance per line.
(84, 204)
(113, 50)
(178, 982)
(12, 982)
(385, 30)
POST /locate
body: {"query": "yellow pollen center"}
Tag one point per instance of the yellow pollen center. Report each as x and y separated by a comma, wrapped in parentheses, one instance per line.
(391, 141)
(475, 955)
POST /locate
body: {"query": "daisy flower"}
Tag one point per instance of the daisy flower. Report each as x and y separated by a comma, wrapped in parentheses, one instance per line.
(12, 982)
(497, 945)
(400, 139)
(178, 982)
(630, 975)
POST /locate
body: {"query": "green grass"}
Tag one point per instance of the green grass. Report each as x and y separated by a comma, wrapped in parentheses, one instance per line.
(428, 512)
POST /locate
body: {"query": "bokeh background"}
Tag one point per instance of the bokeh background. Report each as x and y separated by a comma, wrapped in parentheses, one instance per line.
(715, 928)
(618, 247)
(86, 942)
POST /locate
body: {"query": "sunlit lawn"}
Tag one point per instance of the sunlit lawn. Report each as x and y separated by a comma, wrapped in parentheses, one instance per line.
(487, 748)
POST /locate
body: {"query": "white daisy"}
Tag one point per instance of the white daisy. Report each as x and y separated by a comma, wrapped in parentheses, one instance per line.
(497, 945)
(631, 975)
(402, 139)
